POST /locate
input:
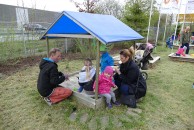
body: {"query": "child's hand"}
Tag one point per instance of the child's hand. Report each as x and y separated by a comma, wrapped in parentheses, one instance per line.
(115, 86)
(117, 71)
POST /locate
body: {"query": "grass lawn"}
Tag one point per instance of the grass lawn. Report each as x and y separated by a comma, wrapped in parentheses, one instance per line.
(169, 103)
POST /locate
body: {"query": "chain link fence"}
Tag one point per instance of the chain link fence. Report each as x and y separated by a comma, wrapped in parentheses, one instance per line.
(24, 42)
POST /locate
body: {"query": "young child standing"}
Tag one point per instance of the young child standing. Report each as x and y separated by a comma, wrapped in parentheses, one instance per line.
(104, 88)
(87, 76)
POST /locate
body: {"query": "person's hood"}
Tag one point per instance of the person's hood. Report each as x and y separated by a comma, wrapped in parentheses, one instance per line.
(105, 54)
(45, 62)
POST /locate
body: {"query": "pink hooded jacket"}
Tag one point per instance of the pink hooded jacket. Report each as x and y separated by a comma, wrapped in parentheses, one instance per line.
(104, 85)
(180, 51)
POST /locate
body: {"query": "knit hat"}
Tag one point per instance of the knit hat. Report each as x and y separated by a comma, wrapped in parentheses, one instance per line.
(109, 70)
(103, 48)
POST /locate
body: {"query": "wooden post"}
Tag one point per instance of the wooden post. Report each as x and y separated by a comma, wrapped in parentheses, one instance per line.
(134, 47)
(66, 45)
(97, 69)
(47, 45)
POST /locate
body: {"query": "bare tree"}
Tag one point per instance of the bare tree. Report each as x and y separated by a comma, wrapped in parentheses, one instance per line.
(110, 7)
(86, 6)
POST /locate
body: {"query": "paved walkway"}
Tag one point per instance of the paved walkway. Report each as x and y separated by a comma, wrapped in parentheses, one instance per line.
(102, 123)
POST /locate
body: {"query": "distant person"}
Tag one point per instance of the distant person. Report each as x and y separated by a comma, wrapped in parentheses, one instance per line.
(173, 38)
(180, 51)
(105, 84)
(50, 78)
(169, 42)
(105, 59)
(87, 77)
(185, 38)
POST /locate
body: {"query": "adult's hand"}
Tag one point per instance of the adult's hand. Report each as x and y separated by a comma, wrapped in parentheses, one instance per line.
(66, 76)
(117, 71)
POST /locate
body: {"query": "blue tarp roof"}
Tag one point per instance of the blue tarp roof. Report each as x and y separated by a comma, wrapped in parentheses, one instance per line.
(105, 28)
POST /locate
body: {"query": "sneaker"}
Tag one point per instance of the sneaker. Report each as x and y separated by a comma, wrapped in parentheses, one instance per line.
(48, 101)
(109, 105)
(117, 103)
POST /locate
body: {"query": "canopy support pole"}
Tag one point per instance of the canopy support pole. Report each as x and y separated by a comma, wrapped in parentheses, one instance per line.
(47, 45)
(177, 21)
(97, 69)
(164, 36)
(149, 20)
(184, 16)
(158, 28)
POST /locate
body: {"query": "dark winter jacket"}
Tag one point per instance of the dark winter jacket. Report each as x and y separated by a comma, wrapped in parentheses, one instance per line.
(49, 77)
(129, 73)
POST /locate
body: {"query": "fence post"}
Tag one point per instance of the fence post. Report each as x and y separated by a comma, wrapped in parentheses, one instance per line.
(66, 45)
(24, 41)
(47, 45)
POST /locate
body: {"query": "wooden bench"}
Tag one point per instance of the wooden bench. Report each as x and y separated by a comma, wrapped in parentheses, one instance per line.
(152, 62)
(154, 59)
(187, 58)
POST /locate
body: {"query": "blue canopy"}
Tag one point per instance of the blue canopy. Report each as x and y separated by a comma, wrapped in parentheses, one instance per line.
(106, 28)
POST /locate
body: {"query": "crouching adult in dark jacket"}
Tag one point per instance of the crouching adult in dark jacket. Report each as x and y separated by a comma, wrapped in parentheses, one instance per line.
(129, 80)
(50, 78)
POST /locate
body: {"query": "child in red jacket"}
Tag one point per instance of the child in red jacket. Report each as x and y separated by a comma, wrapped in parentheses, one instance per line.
(104, 86)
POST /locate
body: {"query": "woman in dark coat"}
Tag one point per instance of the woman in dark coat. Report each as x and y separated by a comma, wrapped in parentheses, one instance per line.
(128, 78)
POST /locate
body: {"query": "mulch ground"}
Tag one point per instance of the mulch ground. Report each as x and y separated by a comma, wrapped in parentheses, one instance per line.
(14, 65)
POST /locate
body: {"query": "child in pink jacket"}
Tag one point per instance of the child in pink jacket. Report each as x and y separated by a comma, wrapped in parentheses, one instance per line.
(104, 86)
(180, 51)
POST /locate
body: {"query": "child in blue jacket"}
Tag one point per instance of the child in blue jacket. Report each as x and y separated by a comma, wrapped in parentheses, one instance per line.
(106, 59)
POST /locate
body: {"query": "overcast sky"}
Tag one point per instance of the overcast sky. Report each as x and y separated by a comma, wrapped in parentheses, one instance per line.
(52, 5)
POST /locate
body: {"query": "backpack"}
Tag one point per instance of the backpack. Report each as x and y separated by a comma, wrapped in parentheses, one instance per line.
(140, 91)
(141, 87)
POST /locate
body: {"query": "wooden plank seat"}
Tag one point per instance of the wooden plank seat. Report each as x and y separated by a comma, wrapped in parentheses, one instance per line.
(154, 59)
(187, 58)
(83, 98)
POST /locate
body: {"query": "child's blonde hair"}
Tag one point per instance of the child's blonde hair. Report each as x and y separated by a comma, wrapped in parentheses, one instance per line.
(88, 64)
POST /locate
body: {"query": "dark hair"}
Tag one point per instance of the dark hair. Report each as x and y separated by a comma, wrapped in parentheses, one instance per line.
(127, 53)
(53, 51)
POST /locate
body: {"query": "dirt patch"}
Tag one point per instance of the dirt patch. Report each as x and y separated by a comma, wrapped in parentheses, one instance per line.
(14, 65)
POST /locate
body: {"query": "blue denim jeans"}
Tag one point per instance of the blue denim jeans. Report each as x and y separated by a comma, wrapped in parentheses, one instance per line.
(109, 96)
(80, 89)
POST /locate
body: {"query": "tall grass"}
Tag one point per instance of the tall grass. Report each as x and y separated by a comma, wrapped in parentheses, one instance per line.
(15, 49)
(87, 47)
